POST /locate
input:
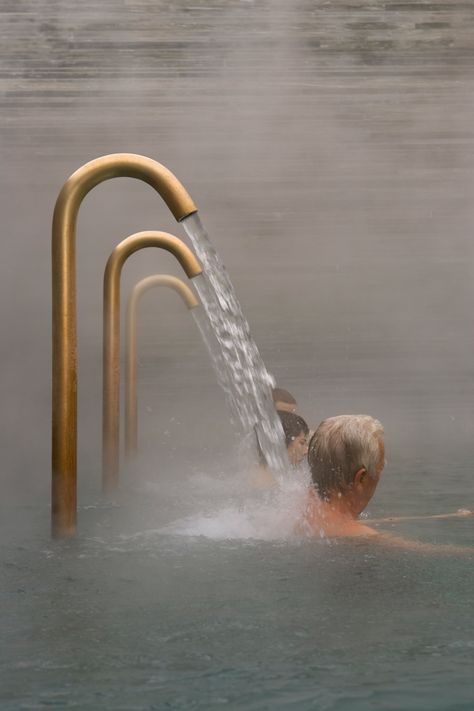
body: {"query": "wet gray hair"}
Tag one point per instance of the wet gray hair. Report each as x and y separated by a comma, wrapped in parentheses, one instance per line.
(339, 447)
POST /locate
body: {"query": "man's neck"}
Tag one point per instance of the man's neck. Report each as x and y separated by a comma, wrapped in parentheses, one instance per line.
(339, 506)
(334, 518)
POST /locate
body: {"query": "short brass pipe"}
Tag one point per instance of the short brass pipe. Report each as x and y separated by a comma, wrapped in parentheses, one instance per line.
(111, 343)
(190, 300)
(64, 377)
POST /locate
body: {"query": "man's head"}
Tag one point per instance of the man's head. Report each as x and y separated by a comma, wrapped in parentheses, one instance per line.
(283, 400)
(346, 457)
(296, 436)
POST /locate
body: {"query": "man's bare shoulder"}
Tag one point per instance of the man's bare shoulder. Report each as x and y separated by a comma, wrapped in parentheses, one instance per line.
(323, 526)
(320, 528)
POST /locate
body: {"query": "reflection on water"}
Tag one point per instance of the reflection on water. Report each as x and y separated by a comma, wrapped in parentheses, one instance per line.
(329, 148)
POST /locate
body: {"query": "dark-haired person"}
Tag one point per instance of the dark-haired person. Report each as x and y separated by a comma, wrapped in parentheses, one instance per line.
(296, 433)
(283, 400)
(296, 436)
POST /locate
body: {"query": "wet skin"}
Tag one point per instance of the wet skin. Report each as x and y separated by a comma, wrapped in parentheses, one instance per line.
(338, 515)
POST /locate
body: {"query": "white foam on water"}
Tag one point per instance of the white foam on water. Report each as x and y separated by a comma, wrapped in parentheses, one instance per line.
(270, 515)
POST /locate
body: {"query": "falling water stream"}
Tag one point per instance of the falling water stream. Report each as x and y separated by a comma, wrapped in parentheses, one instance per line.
(217, 360)
(241, 370)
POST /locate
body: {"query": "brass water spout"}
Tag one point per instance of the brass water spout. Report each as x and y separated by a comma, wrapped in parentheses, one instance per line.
(111, 344)
(64, 376)
(138, 290)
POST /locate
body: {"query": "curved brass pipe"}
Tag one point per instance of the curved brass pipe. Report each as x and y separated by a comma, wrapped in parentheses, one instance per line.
(111, 344)
(64, 377)
(191, 301)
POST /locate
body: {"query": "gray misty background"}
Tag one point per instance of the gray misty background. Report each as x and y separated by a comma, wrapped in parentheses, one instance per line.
(329, 147)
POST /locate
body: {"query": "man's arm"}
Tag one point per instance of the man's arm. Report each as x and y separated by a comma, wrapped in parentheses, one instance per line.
(389, 539)
(460, 513)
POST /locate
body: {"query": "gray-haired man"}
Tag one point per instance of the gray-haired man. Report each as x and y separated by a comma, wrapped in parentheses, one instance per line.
(346, 457)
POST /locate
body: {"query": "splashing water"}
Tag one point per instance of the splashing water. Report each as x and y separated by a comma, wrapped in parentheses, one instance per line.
(247, 382)
(270, 515)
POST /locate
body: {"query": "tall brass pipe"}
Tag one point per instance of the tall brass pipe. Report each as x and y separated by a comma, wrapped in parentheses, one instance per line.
(191, 301)
(64, 377)
(111, 344)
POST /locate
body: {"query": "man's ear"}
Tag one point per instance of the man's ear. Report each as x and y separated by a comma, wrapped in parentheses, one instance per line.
(360, 476)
